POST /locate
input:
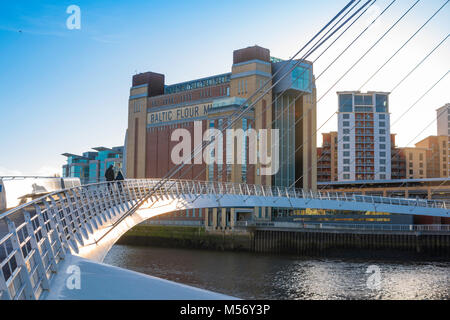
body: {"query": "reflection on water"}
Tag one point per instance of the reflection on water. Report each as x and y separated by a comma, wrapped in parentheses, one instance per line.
(253, 276)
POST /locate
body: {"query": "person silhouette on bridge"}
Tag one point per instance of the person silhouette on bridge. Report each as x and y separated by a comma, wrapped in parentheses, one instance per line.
(109, 175)
(119, 177)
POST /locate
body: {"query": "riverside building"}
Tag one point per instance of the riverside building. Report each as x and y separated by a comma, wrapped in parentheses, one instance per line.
(156, 110)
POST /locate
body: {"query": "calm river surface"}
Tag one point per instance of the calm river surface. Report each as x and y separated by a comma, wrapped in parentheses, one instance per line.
(255, 276)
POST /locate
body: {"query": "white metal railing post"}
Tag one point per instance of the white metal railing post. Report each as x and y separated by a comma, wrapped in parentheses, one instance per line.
(68, 217)
(59, 225)
(80, 218)
(96, 206)
(20, 260)
(46, 238)
(4, 292)
(73, 214)
(37, 253)
(105, 193)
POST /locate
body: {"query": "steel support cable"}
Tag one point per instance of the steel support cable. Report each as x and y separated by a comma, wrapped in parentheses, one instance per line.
(178, 168)
(404, 44)
(201, 147)
(293, 81)
(370, 49)
(421, 97)
(356, 39)
(303, 93)
(417, 101)
(348, 70)
(339, 56)
(317, 58)
(405, 77)
(206, 143)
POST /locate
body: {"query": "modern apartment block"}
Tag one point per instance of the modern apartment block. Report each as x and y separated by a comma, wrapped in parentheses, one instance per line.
(90, 167)
(327, 156)
(156, 110)
(364, 142)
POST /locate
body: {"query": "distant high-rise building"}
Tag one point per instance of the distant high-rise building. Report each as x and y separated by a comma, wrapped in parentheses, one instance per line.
(364, 142)
(91, 166)
(443, 120)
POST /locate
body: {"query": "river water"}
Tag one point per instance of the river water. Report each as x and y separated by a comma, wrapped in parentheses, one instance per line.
(256, 276)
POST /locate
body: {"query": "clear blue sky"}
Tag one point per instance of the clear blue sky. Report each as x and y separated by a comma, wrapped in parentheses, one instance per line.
(66, 90)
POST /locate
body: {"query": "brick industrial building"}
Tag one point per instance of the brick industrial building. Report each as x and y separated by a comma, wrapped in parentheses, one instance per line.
(156, 109)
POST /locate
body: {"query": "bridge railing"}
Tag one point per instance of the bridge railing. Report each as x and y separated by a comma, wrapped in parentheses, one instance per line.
(344, 226)
(36, 236)
(205, 187)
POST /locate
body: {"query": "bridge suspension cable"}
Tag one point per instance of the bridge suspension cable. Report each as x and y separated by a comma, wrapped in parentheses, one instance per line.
(176, 169)
(301, 74)
(310, 168)
(206, 143)
(400, 82)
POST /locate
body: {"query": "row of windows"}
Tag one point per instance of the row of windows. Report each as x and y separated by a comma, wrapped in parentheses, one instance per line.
(189, 96)
(347, 154)
(197, 84)
(346, 102)
(242, 86)
(138, 106)
(360, 177)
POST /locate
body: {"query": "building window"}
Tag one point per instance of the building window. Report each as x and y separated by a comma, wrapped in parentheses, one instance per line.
(382, 176)
(346, 176)
(382, 117)
(346, 116)
(382, 131)
(382, 169)
(346, 131)
(346, 161)
(345, 103)
(346, 146)
(363, 100)
(382, 154)
(346, 124)
(382, 124)
(382, 161)
(382, 139)
(346, 153)
(346, 138)
(381, 103)
(411, 171)
(346, 169)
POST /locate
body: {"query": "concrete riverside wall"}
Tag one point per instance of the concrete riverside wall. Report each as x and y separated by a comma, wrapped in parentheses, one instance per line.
(186, 237)
(329, 242)
(301, 242)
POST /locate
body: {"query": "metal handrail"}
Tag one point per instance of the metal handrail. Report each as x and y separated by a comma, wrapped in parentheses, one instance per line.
(344, 226)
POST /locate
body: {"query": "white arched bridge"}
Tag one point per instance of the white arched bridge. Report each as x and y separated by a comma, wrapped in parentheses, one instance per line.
(42, 240)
